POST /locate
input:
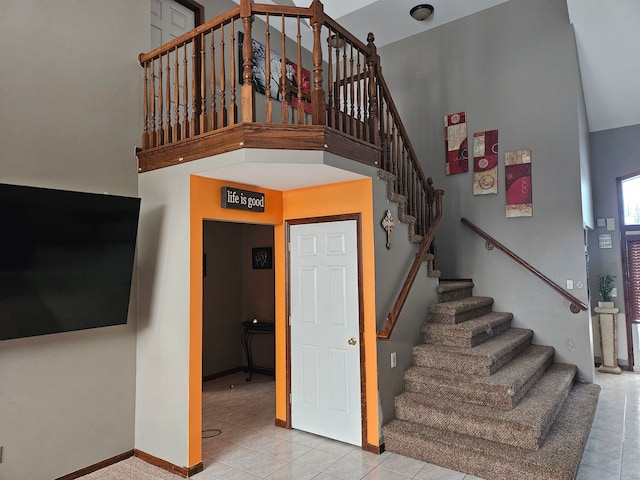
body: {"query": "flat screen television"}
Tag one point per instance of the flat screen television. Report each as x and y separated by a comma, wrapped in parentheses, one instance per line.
(66, 260)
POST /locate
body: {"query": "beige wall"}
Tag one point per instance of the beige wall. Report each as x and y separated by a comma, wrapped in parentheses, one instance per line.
(70, 119)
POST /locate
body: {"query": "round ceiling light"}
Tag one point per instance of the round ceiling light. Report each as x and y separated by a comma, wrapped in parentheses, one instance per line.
(421, 12)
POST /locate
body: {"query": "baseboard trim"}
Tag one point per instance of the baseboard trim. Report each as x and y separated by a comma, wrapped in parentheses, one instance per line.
(282, 424)
(377, 449)
(97, 466)
(269, 372)
(213, 376)
(185, 472)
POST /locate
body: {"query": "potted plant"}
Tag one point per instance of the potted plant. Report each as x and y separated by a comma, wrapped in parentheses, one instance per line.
(605, 286)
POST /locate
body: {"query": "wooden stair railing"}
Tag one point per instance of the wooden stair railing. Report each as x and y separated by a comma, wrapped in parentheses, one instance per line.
(190, 92)
(393, 316)
(576, 305)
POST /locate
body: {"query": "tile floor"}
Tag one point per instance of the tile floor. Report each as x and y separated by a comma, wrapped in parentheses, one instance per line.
(248, 446)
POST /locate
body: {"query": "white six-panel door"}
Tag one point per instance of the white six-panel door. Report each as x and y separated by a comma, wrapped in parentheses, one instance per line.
(325, 344)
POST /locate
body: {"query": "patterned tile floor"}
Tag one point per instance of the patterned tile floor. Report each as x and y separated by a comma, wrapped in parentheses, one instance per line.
(247, 445)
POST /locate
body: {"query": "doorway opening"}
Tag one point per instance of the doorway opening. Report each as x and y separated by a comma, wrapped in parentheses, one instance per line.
(236, 289)
(629, 214)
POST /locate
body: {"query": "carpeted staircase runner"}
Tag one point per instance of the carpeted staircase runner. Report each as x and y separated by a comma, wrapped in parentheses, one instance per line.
(481, 399)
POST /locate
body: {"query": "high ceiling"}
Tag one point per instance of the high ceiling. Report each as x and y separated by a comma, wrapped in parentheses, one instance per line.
(607, 34)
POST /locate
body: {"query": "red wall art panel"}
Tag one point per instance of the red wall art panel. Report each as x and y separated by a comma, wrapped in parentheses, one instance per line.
(517, 172)
(455, 137)
(485, 162)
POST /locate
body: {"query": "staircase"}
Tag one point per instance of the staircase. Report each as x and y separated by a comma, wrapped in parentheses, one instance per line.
(481, 399)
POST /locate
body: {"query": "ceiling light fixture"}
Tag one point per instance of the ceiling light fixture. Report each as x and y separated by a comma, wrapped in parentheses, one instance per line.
(335, 40)
(421, 12)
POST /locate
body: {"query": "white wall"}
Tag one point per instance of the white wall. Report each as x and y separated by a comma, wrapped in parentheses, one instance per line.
(512, 68)
(70, 119)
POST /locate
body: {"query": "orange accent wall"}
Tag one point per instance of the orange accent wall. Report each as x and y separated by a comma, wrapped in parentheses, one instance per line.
(335, 199)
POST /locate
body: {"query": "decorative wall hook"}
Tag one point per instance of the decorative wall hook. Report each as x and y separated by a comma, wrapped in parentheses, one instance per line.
(388, 224)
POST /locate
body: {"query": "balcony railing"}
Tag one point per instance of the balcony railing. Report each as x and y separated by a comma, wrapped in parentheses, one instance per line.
(315, 77)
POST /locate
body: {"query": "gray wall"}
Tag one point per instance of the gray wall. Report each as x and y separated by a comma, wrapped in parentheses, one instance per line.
(614, 154)
(71, 117)
(512, 68)
(392, 266)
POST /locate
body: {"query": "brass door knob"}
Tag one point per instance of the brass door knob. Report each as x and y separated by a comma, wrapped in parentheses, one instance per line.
(352, 341)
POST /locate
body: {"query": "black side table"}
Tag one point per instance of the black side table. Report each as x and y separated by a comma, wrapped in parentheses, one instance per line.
(249, 329)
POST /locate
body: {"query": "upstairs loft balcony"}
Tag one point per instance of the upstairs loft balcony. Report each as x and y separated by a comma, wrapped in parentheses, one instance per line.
(265, 76)
(278, 77)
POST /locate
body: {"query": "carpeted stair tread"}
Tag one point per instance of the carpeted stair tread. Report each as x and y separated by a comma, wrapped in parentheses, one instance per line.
(557, 459)
(524, 426)
(502, 390)
(469, 333)
(460, 310)
(483, 359)
(448, 290)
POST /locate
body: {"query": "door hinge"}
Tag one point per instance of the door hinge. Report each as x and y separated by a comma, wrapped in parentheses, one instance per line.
(289, 320)
(290, 397)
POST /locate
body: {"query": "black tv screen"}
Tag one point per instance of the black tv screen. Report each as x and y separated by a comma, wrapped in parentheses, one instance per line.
(66, 260)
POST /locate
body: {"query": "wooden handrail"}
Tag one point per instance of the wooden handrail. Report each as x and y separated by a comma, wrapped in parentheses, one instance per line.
(393, 316)
(576, 305)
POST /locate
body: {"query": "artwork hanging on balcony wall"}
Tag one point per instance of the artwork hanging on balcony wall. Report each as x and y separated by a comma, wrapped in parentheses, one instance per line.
(261, 83)
(485, 162)
(517, 172)
(455, 138)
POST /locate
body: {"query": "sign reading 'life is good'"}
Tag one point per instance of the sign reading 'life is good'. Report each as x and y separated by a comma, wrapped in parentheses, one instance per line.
(242, 199)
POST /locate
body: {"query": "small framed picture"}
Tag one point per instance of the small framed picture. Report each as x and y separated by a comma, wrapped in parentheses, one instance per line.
(262, 258)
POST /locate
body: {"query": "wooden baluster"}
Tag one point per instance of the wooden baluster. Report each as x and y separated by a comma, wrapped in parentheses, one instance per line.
(185, 91)
(365, 102)
(160, 103)
(301, 103)
(396, 160)
(268, 106)
(248, 93)
(336, 97)
(388, 148)
(168, 132)
(194, 89)
(177, 131)
(233, 110)
(222, 120)
(153, 102)
(330, 116)
(213, 118)
(345, 90)
(203, 85)
(359, 99)
(374, 135)
(145, 108)
(283, 76)
(318, 98)
(352, 126)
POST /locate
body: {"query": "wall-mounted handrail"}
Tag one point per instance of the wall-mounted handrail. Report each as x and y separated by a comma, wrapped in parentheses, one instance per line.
(576, 305)
(393, 316)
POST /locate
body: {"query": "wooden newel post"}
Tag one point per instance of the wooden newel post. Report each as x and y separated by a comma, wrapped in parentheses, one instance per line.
(372, 64)
(247, 92)
(318, 95)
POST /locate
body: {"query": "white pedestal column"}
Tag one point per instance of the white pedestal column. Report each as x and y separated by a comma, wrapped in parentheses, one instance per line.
(608, 339)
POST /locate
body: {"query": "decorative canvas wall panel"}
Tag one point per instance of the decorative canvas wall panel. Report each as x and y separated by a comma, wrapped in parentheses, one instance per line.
(517, 172)
(485, 162)
(455, 137)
